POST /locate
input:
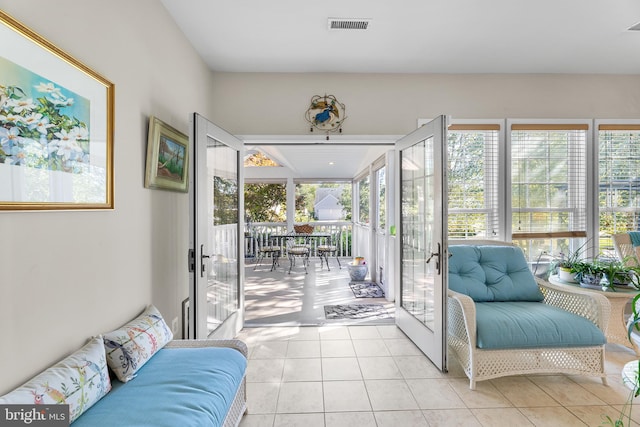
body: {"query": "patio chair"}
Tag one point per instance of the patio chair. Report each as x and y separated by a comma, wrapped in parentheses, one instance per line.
(330, 248)
(625, 250)
(297, 247)
(269, 249)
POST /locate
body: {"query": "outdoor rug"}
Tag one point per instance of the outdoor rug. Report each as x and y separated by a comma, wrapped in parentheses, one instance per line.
(366, 290)
(356, 311)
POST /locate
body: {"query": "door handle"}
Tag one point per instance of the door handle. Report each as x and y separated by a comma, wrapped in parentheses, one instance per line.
(203, 268)
(435, 254)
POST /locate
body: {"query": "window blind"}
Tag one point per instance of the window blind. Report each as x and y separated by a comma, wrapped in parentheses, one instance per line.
(548, 180)
(473, 181)
(619, 179)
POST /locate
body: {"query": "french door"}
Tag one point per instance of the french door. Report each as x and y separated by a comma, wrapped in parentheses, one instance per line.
(216, 262)
(421, 305)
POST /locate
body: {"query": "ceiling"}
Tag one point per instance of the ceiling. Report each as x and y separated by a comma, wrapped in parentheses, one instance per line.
(412, 36)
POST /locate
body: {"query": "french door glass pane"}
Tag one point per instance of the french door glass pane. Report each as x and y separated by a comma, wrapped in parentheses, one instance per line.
(417, 224)
(222, 274)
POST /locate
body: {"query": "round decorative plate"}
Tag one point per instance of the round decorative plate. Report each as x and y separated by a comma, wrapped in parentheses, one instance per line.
(326, 113)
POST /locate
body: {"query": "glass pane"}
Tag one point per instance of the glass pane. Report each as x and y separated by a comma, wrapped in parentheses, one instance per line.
(363, 201)
(417, 294)
(382, 203)
(222, 274)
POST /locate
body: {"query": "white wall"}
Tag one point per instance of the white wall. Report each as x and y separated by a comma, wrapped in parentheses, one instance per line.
(65, 276)
(384, 104)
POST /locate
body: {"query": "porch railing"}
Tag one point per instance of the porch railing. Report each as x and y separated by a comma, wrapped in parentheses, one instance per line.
(258, 234)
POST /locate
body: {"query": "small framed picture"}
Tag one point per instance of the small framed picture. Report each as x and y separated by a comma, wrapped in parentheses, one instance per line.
(167, 157)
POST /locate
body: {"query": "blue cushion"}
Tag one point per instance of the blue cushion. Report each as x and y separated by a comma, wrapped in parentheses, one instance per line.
(492, 273)
(532, 324)
(176, 387)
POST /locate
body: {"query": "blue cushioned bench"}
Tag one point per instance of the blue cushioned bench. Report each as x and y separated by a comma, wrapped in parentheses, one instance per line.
(178, 386)
(504, 321)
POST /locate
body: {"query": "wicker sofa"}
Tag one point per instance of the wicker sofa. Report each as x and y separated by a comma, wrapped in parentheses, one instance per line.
(157, 381)
(504, 321)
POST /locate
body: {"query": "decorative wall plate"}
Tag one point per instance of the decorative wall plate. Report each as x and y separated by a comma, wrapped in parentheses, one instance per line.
(326, 114)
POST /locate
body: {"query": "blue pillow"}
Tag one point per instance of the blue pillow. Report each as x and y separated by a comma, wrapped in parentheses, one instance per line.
(492, 273)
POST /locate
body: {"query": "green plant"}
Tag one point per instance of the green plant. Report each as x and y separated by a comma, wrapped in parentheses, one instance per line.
(568, 259)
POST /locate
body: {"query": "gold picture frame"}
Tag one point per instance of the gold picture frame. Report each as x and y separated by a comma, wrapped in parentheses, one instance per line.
(167, 157)
(56, 126)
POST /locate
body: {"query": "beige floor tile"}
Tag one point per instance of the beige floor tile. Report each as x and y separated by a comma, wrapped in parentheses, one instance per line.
(417, 367)
(390, 395)
(402, 347)
(350, 419)
(300, 397)
(594, 415)
(303, 349)
(265, 420)
(262, 398)
(270, 350)
(565, 391)
(346, 396)
(299, 420)
(551, 417)
(451, 418)
(615, 393)
(435, 394)
(364, 332)
(522, 392)
(334, 333)
(501, 417)
(302, 370)
(379, 368)
(486, 395)
(340, 368)
(306, 333)
(370, 348)
(635, 413)
(400, 418)
(390, 331)
(264, 370)
(337, 348)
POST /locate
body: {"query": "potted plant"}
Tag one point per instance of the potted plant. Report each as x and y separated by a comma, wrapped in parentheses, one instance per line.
(563, 265)
(589, 274)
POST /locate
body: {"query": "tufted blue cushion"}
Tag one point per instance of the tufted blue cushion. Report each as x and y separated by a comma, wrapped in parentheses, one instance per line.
(492, 273)
(532, 325)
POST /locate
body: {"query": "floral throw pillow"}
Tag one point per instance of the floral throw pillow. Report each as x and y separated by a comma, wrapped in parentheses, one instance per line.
(131, 346)
(79, 380)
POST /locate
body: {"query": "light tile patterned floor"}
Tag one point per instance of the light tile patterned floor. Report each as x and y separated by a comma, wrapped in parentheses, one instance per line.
(360, 376)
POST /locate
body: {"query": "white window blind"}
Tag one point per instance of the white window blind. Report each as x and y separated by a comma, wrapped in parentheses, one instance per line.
(619, 180)
(548, 180)
(473, 181)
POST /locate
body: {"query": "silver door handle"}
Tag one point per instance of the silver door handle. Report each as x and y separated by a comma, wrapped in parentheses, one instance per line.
(202, 257)
(435, 254)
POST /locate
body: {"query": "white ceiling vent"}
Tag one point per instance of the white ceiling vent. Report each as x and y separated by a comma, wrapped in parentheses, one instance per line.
(349, 23)
(635, 27)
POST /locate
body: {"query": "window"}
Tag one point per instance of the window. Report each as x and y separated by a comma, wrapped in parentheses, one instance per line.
(363, 200)
(265, 202)
(548, 186)
(326, 201)
(619, 181)
(473, 181)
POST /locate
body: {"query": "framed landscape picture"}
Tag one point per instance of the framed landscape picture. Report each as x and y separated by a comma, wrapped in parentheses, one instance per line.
(56, 126)
(167, 157)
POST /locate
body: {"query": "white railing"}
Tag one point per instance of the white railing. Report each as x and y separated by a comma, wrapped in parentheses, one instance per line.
(258, 234)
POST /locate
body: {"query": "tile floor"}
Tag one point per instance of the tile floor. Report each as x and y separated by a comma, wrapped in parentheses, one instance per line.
(372, 375)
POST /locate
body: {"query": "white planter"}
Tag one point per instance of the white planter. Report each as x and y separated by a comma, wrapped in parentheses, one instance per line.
(566, 275)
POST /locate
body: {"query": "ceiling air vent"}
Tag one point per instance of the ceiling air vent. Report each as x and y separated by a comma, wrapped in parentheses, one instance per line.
(348, 24)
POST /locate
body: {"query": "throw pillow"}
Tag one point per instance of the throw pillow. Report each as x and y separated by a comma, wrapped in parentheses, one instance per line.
(132, 345)
(79, 380)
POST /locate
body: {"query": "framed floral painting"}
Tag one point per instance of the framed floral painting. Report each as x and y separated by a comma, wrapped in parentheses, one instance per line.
(56, 126)
(167, 157)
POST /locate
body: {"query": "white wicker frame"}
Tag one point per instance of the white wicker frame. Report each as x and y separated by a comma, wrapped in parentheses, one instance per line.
(479, 364)
(239, 405)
